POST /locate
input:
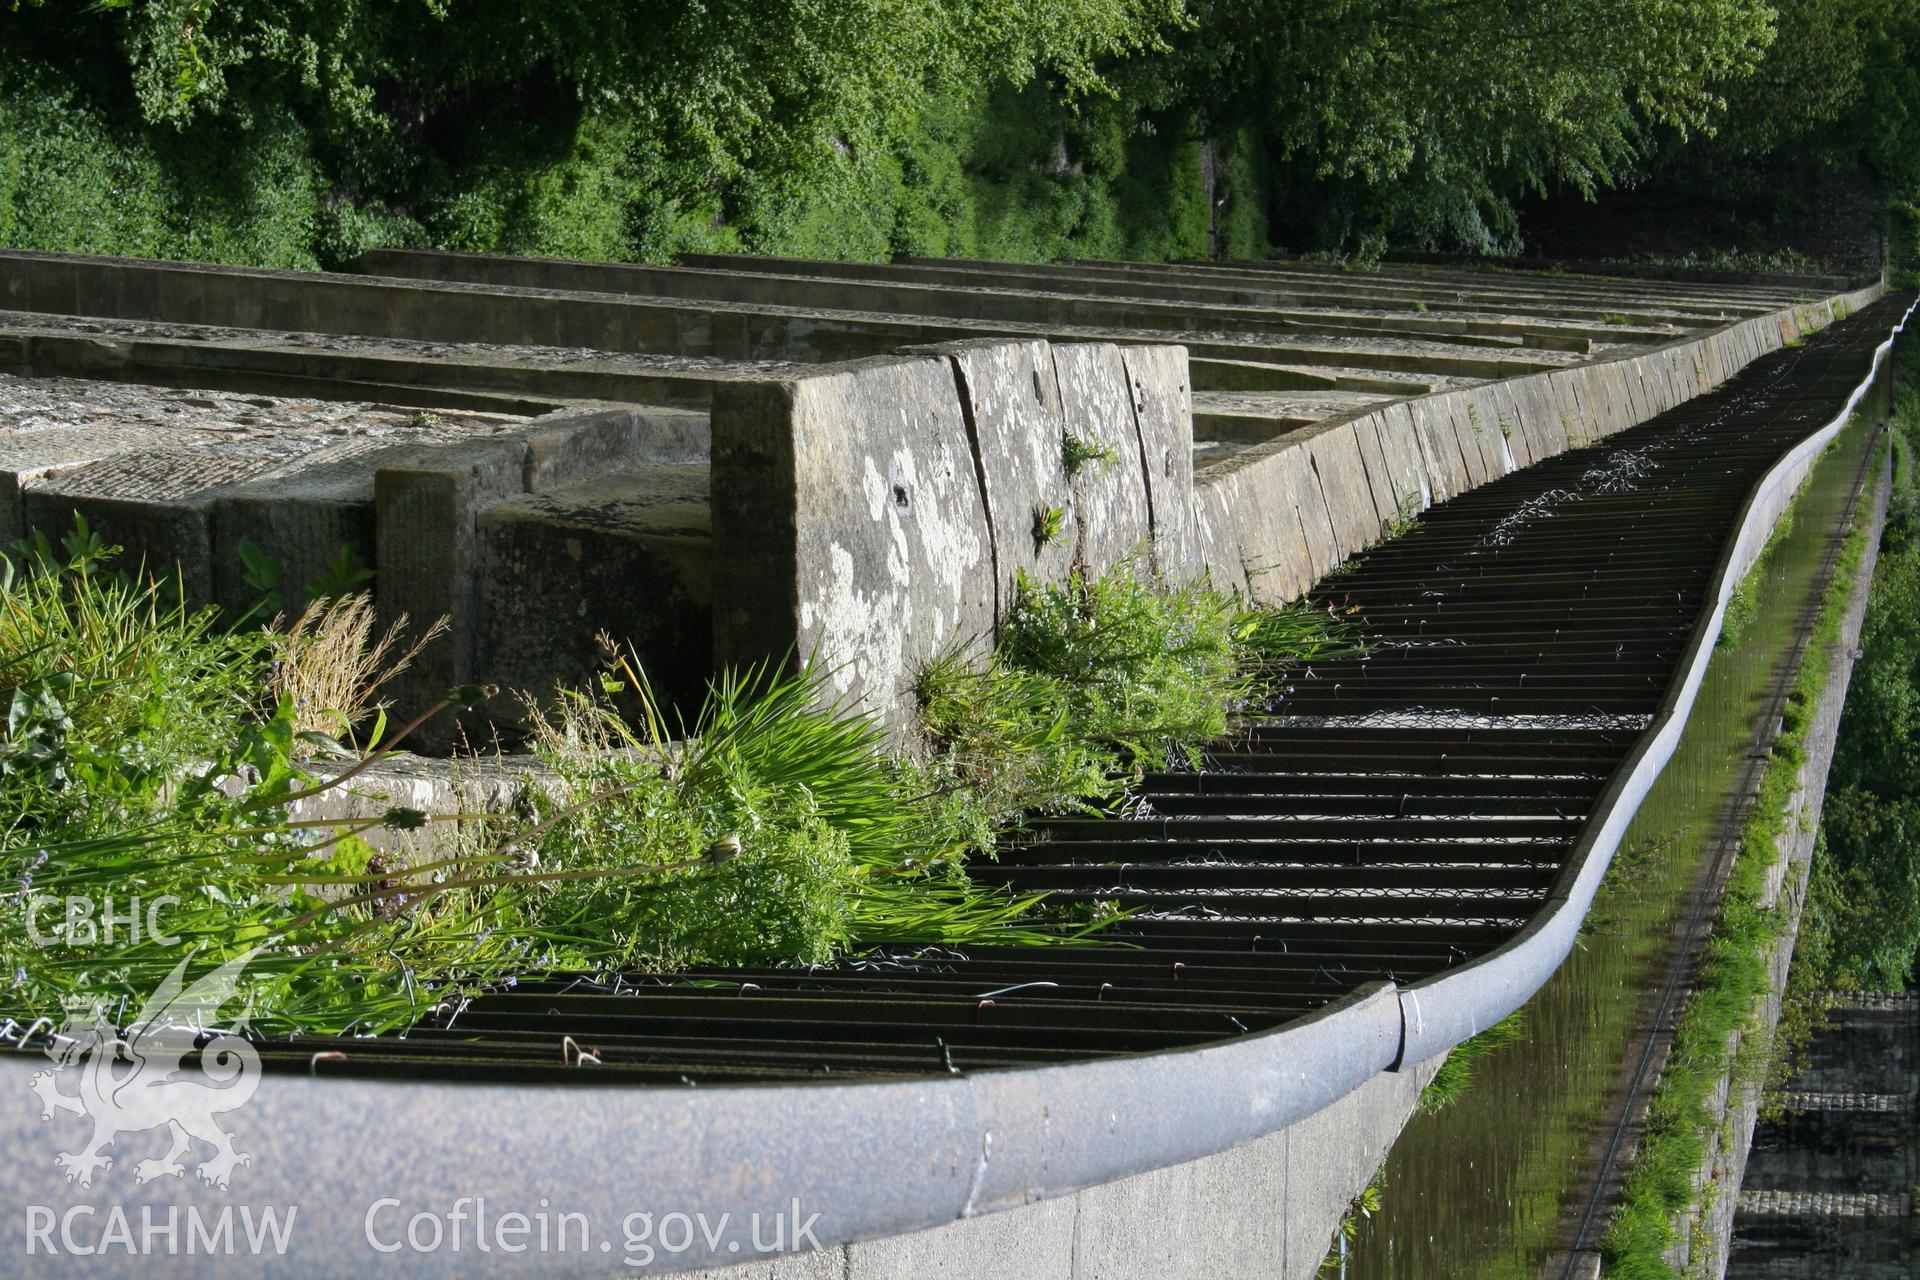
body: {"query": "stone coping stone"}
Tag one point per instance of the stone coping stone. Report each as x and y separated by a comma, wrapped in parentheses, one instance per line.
(899, 292)
(1414, 452)
(849, 527)
(1258, 284)
(879, 515)
(461, 312)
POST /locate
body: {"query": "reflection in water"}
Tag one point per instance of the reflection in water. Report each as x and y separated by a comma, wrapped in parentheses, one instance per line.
(1478, 1190)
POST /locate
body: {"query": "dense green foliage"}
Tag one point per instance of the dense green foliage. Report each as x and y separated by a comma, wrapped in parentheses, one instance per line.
(1802, 168)
(298, 134)
(1094, 681)
(151, 754)
(291, 135)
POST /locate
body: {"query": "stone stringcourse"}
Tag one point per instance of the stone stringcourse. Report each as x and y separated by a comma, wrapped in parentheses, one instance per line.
(734, 457)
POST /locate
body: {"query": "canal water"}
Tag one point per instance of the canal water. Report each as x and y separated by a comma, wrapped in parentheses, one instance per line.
(1478, 1191)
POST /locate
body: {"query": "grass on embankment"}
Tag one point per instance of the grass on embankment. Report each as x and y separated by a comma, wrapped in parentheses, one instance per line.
(1733, 976)
(1861, 927)
(150, 754)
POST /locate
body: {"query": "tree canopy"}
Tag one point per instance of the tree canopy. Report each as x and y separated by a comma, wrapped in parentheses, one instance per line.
(638, 123)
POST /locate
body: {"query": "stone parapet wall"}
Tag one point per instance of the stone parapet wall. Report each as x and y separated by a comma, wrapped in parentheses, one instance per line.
(1277, 516)
(876, 514)
(531, 457)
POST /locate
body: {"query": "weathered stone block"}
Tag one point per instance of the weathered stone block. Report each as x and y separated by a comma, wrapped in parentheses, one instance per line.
(1110, 496)
(1366, 435)
(1258, 487)
(1218, 536)
(849, 526)
(1440, 453)
(1163, 411)
(1465, 419)
(578, 444)
(301, 521)
(1517, 432)
(1302, 486)
(1401, 445)
(1341, 480)
(1641, 409)
(1012, 401)
(29, 457)
(157, 505)
(427, 505)
(629, 553)
(1538, 418)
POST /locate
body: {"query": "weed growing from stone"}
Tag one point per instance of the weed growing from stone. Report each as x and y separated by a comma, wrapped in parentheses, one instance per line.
(1077, 453)
(1047, 524)
(1456, 1074)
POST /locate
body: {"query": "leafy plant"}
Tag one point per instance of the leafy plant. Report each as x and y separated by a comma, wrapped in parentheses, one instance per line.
(261, 572)
(1361, 1208)
(1094, 680)
(1047, 524)
(342, 574)
(1406, 519)
(1077, 453)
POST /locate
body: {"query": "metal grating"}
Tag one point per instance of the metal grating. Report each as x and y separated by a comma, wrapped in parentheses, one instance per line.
(1391, 816)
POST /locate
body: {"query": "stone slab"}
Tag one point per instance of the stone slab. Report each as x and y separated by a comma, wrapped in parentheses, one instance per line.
(1163, 413)
(1302, 486)
(1341, 476)
(1217, 534)
(157, 505)
(1446, 471)
(1012, 402)
(629, 553)
(1465, 420)
(1110, 495)
(1387, 503)
(849, 526)
(1266, 519)
(428, 501)
(1517, 433)
(1400, 444)
(29, 457)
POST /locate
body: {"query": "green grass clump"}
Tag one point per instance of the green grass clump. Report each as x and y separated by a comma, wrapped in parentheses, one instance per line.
(1861, 928)
(1095, 680)
(1076, 453)
(1456, 1074)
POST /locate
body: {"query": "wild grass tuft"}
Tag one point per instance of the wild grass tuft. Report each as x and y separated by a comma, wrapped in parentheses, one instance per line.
(330, 665)
(1457, 1073)
(1094, 681)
